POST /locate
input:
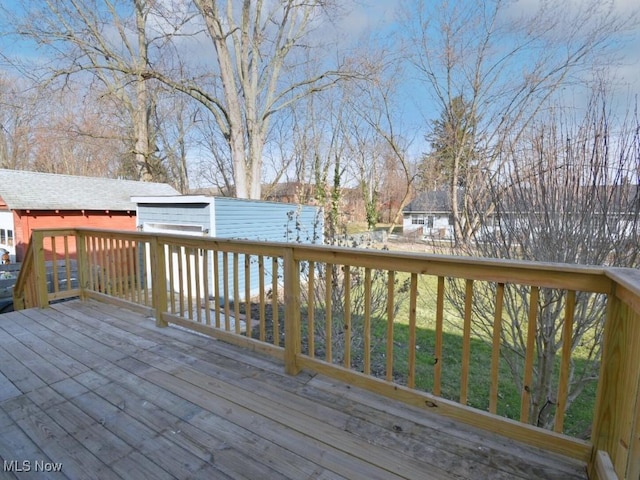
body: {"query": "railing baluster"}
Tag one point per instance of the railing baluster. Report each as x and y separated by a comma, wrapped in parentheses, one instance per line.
(198, 287)
(328, 314)
(54, 261)
(109, 266)
(33, 293)
(247, 295)
(495, 352)
(225, 290)
(92, 264)
(236, 293)
(274, 302)
(138, 268)
(130, 279)
(124, 257)
(101, 261)
(263, 321)
(367, 321)
(437, 369)
(311, 310)
(188, 256)
(466, 342)
(529, 355)
(413, 295)
(391, 287)
(113, 266)
(216, 288)
(98, 265)
(205, 281)
(145, 268)
(67, 261)
(82, 263)
(114, 272)
(347, 316)
(181, 280)
(128, 275)
(172, 286)
(563, 382)
(123, 269)
(118, 257)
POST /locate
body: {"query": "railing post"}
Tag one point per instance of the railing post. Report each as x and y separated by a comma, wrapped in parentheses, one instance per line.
(83, 264)
(42, 292)
(616, 425)
(291, 313)
(159, 283)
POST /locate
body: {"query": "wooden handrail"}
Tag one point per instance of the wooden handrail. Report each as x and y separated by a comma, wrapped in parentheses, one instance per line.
(170, 276)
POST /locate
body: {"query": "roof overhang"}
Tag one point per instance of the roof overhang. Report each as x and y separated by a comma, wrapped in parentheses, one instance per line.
(172, 199)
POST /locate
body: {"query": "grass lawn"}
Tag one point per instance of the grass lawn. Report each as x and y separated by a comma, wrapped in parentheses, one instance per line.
(577, 418)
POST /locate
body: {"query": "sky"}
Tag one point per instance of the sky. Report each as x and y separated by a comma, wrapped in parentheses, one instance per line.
(361, 17)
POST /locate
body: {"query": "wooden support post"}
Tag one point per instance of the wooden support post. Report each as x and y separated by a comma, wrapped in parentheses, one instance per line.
(42, 292)
(292, 347)
(616, 425)
(159, 285)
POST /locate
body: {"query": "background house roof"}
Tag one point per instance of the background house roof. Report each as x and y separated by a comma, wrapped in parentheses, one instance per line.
(22, 190)
(430, 202)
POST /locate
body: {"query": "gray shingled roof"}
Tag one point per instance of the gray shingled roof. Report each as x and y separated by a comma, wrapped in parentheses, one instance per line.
(23, 190)
(430, 202)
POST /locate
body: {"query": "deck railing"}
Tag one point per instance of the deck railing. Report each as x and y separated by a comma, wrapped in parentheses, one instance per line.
(359, 316)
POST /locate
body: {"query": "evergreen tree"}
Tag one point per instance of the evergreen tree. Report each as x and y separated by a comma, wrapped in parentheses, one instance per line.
(452, 139)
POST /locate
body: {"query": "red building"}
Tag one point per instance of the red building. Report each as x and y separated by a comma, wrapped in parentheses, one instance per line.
(42, 200)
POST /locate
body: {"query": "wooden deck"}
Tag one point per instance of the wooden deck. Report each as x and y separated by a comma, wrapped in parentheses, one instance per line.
(106, 394)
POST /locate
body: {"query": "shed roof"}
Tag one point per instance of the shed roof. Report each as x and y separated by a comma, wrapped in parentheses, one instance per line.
(22, 190)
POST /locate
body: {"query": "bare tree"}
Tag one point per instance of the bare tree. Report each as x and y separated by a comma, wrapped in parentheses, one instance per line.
(374, 101)
(318, 142)
(503, 66)
(393, 188)
(110, 41)
(368, 163)
(174, 119)
(72, 134)
(255, 74)
(18, 114)
(569, 192)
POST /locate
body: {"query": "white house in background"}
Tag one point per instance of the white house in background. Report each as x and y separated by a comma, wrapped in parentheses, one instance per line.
(7, 237)
(429, 215)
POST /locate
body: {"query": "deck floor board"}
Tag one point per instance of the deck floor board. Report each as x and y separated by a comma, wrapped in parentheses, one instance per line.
(109, 395)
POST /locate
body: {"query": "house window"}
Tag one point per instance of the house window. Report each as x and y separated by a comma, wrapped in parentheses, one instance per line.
(417, 219)
(10, 238)
(3, 235)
